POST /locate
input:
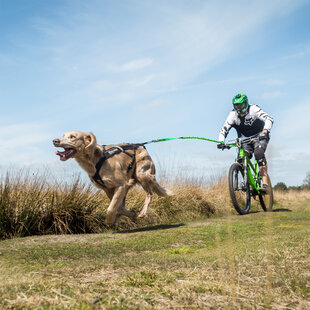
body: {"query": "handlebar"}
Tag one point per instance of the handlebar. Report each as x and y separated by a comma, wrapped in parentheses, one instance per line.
(238, 143)
(249, 140)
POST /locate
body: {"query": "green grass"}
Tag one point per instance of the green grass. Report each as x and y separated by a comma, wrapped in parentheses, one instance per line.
(257, 261)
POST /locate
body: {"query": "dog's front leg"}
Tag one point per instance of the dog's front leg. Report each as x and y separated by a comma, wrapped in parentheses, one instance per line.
(115, 204)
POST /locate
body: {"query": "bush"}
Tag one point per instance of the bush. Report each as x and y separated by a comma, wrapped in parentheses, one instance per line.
(281, 186)
(307, 180)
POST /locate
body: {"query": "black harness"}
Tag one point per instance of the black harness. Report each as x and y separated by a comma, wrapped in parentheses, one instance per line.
(114, 150)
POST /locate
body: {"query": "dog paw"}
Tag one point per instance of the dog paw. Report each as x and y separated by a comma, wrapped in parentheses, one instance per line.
(141, 215)
(133, 215)
(110, 224)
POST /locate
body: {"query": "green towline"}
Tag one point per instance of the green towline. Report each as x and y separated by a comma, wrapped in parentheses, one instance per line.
(188, 137)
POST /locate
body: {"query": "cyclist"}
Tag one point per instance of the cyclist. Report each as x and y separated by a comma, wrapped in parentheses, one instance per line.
(249, 120)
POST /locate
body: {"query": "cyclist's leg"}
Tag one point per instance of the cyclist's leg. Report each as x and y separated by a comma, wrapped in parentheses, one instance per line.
(249, 148)
(259, 153)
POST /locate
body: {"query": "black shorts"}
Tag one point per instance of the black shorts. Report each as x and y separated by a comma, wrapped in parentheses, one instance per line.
(250, 147)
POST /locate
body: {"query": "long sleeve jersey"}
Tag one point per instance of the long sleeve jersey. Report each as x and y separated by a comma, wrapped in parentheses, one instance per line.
(248, 125)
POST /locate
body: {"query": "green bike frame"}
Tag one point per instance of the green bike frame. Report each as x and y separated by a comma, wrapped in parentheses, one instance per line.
(251, 170)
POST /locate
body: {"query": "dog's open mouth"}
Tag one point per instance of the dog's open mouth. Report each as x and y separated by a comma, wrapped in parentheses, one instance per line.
(66, 154)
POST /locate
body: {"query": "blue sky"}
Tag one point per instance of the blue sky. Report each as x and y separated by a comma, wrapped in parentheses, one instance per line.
(132, 71)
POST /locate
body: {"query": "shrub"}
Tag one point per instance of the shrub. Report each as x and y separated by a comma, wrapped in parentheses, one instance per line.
(281, 186)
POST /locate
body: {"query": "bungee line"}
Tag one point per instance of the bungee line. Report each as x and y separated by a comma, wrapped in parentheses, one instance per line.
(187, 137)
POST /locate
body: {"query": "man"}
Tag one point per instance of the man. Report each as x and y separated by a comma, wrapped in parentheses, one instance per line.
(249, 120)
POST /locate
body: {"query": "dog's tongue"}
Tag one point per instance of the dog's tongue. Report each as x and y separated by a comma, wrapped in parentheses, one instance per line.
(65, 154)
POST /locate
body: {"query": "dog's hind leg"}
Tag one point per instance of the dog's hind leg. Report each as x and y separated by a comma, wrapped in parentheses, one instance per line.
(145, 207)
(145, 183)
(123, 211)
(145, 176)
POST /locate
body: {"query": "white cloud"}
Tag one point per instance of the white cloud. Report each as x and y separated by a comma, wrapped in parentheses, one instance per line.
(143, 81)
(103, 85)
(302, 52)
(19, 135)
(152, 104)
(272, 95)
(133, 65)
(290, 152)
(156, 57)
(197, 41)
(274, 82)
(293, 123)
(24, 142)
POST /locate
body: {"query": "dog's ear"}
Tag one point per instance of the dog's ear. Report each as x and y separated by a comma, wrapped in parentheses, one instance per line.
(90, 140)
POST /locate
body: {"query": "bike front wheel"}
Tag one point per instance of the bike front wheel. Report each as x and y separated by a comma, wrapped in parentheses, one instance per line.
(266, 199)
(239, 189)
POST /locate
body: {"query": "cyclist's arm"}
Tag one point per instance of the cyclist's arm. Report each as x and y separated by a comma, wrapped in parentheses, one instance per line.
(227, 126)
(262, 115)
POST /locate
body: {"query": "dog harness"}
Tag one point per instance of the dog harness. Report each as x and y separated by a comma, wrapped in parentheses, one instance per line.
(114, 150)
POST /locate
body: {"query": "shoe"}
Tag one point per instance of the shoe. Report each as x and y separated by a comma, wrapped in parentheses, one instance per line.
(264, 189)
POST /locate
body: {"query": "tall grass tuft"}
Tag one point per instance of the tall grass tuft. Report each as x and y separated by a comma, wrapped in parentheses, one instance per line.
(29, 205)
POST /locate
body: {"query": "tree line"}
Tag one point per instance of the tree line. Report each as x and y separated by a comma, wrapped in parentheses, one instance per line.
(305, 186)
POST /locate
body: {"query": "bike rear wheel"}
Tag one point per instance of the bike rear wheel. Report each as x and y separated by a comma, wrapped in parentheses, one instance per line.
(239, 189)
(266, 199)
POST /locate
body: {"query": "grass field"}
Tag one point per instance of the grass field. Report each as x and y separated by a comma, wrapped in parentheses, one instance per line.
(257, 261)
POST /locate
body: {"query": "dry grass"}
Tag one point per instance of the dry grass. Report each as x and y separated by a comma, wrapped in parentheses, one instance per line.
(31, 206)
(291, 196)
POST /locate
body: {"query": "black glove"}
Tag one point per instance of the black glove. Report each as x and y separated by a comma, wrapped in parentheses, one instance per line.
(221, 146)
(263, 136)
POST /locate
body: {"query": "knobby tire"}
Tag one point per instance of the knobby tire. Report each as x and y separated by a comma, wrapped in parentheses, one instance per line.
(239, 189)
(266, 199)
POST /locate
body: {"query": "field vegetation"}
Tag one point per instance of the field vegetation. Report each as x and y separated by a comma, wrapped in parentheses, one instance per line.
(191, 252)
(31, 206)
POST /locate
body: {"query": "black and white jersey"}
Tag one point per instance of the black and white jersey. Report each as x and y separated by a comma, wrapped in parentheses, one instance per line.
(248, 125)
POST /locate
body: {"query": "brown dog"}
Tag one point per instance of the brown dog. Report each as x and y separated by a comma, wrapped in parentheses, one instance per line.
(113, 168)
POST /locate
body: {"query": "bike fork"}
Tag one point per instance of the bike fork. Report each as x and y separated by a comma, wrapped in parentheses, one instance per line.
(236, 181)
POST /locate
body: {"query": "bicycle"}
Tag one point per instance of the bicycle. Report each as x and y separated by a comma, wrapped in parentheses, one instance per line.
(244, 180)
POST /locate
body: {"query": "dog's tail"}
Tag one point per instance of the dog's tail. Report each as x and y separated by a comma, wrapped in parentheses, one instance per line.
(161, 191)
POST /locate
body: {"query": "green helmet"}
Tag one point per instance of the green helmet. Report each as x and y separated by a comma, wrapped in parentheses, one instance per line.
(240, 103)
